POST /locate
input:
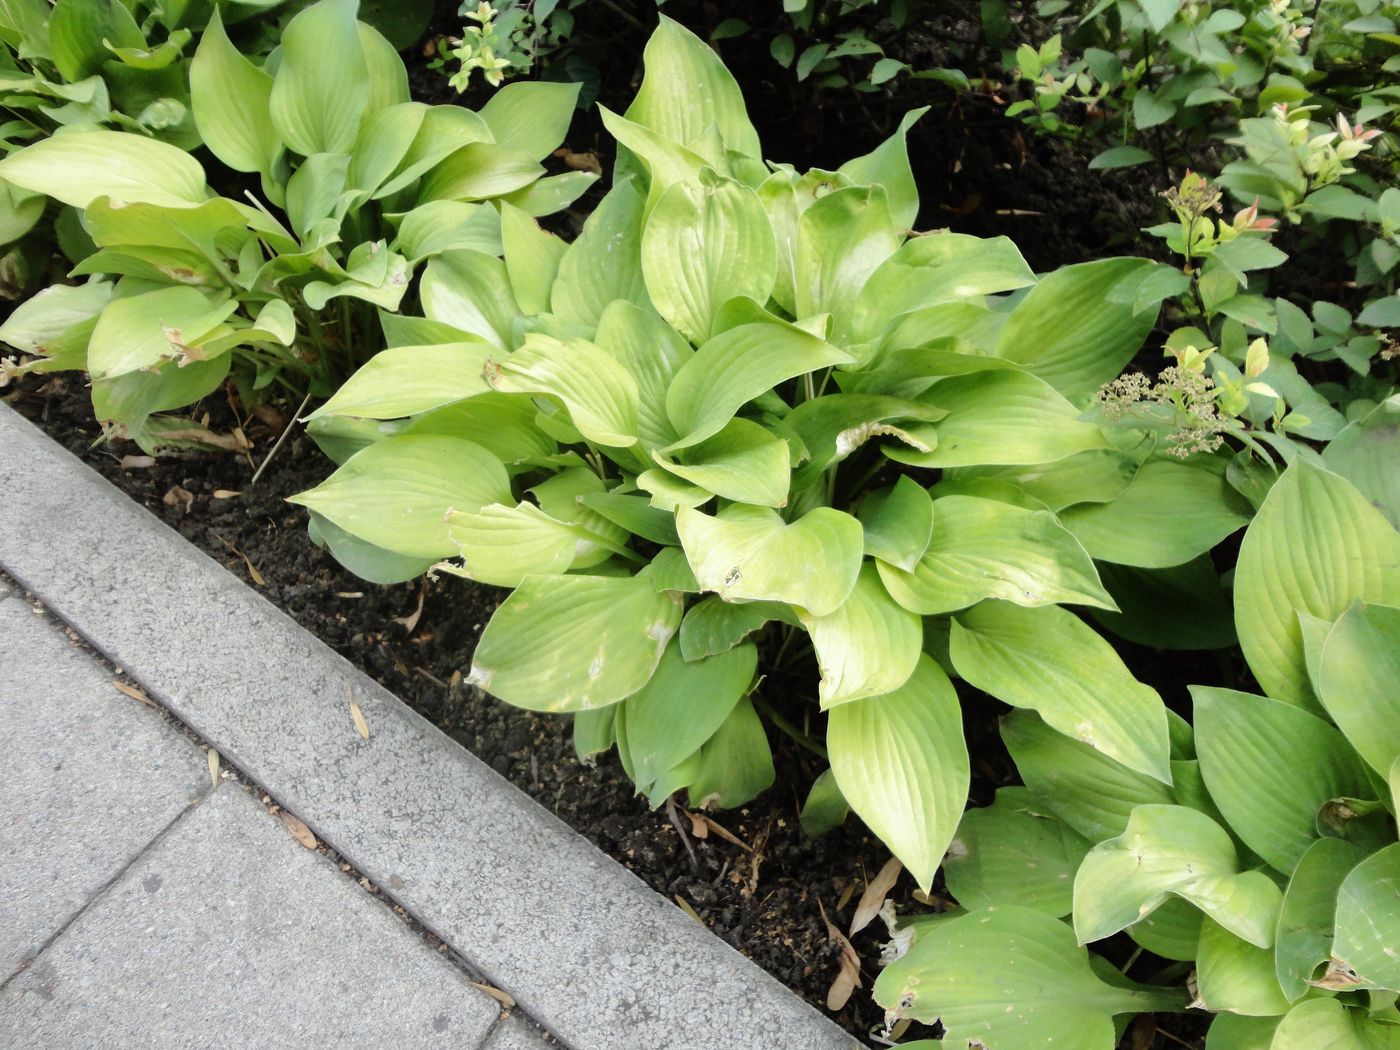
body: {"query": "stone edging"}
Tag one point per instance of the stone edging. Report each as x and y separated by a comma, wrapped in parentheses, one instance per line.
(581, 944)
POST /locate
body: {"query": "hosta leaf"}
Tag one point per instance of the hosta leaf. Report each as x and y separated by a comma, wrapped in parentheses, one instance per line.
(669, 493)
(736, 764)
(1365, 453)
(1169, 514)
(503, 424)
(1368, 921)
(477, 171)
(714, 625)
(936, 269)
(440, 226)
(898, 523)
(599, 394)
(901, 762)
(1005, 977)
(653, 353)
(569, 643)
(735, 367)
(229, 97)
(551, 193)
(604, 263)
(322, 85)
(982, 548)
(825, 809)
(388, 78)
(1096, 476)
(531, 118)
(1172, 851)
(1085, 788)
(635, 514)
(1315, 546)
(532, 258)
(867, 647)
(365, 560)
(687, 89)
(502, 545)
(841, 240)
(750, 554)
(594, 733)
(1011, 853)
(1356, 678)
(834, 426)
(887, 165)
(130, 398)
(1269, 766)
(1303, 941)
(1049, 660)
(1325, 1024)
(470, 291)
(79, 166)
(408, 380)
(141, 331)
(744, 462)
(703, 246)
(442, 131)
(1237, 1032)
(683, 705)
(1236, 976)
(41, 323)
(1172, 930)
(396, 493)
(1184, 607)
(666, 162)
(1067, 333)
(1001, 417)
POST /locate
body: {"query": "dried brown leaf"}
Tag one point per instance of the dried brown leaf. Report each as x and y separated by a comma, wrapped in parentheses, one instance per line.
(299, 831)
(233, 442)
(847, 893)
(133, 692)
(213, 767)
(725, 834)
(137, 462)
(685, 907)
(586, 161)
(253, 573)
(698, 827)
(848, 976)
(873, 899)
(357, 716)
(411, 620)
(226, 493)
(504, 998)
(176, 495)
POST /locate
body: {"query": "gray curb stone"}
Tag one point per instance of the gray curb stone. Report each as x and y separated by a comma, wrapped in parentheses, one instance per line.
(513, 1033)
(228, 933)
(580, 943)
(90, 777)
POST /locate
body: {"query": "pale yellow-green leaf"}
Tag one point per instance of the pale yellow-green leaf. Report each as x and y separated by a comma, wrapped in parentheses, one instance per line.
(868, 646)
(599, 394)
(322, 84)
(79, 166)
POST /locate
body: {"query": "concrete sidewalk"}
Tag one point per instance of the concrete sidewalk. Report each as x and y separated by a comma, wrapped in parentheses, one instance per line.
(142, 907)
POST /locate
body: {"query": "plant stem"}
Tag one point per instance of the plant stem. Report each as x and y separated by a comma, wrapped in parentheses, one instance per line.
(798, 737)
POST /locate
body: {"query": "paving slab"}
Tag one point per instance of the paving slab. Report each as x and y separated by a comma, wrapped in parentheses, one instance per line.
(516, 1033)
(581, 944)
(228, 933)
(91, 776)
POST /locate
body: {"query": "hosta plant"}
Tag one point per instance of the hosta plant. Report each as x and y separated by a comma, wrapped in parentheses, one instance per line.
(748, 449)
(1268, 867)
(356, 187)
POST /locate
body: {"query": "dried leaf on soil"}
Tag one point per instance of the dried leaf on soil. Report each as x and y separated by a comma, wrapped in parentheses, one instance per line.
(176, 495)
(587, 161)
(137, 462)
(226, 493)
(411, 620)
(504, 998)
(848, 977)
(253, 573)
(358, 716)
(873, 899)
(685, 907)
(299, 831)
(133, 692)
(721, 831)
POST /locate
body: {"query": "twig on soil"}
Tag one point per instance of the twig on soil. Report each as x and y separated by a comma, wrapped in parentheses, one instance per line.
(680, 830)
(280, 438)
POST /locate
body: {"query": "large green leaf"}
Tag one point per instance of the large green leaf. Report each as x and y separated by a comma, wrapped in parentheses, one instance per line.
(477, 171)
(532, 258)
(1269, 767)
(503, 424)
(1365, 453)
(1172, 851)
(322, 84)
(841, 240)
(470, 291)
(1184, 607)
(744, 462)
(1011, 853)
(936, 269)
(898, 523)
(702, 246)
(1356, 677)
(1067, 331)
(1096, 476)
(79, 166)
(599, 394)
(1085, 788)
(531, 117)
(230, 97)
(687, 90)
(867, 647)
(569, 643)
(1326, 1024)
(1315, 546)
(683, 705)
(1169, 514)
(1005, 978)
(982, 548)
(902, 764)
(1368, 921)
(653, 353)
(1303, 941)
(408, 380)
(1049, 660)
(604, 263)
(1236, 976)
(140, 331)
(713, 625)
(750, 554)
(835, 426)
(736, 764)
(365, 560)
(396, 493)
(502, 545)
(737, 366)
(887, 165)
(1001, 417)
